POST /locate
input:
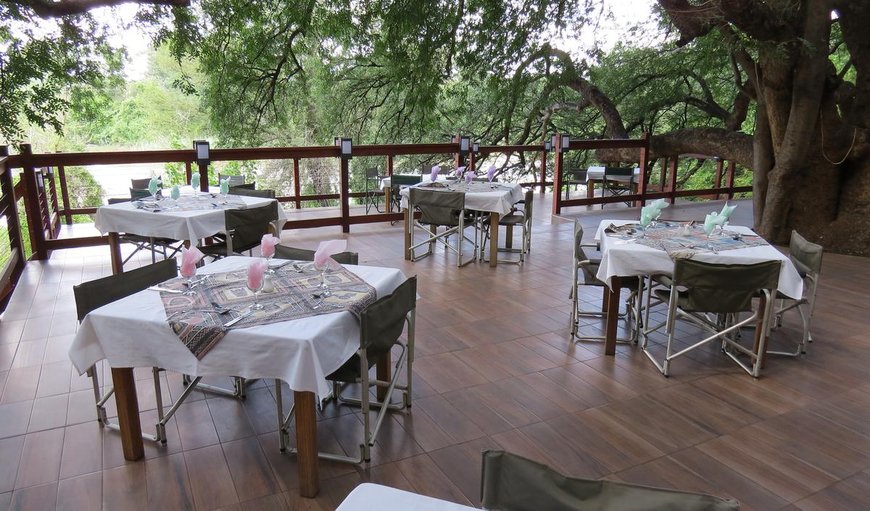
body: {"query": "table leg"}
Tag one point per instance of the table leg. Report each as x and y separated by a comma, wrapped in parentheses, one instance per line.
(590, 188)
(115, 253)
(128, 413)
(493, 239)
(306, 444)
(612, 315)
(408, 228)
(383, 374)
(388, 206)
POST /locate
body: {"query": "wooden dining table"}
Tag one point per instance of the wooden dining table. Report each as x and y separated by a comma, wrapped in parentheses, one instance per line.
(134, 332)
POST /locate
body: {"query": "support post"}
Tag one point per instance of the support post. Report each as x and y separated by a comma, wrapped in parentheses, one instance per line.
(675, 160)
(732, 170)
(642, 163)
(543, 171)
(297, 186)
(31, 205)
(344, 193)
(557, 175)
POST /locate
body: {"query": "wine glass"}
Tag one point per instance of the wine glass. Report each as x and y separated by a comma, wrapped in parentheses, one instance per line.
(709, 227)
(255, 284)
(188, 271)
(324, 285)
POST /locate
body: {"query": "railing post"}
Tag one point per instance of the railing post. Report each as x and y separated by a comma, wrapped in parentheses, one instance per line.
(390, 165)
(64, 194)
(53, 206)
(297, 186)
(543, 171)
(673, 179)
(557, 176)
(7, 189)
(644, 175)
(187, 172)
(732, 169)
(718, 175)
(344, 165)
(31, 205)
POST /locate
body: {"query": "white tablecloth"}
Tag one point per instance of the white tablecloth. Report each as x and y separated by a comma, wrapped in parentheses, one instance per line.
(597, 173)
(178, 225)
(375, 497)
(499, 200)
(625, 258)
(133, 332)
(426, 178)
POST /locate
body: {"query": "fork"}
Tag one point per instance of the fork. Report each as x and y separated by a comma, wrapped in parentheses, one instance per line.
(220, 309)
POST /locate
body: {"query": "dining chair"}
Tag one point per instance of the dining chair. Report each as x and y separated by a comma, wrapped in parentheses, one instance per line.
(142, 184)
(585, 268)
(617, 181)
(520, 216)
(372, 189)
(573, 177)
(302, 254)
(381, 326)
(233, 180)
(441, 209)
(513, 483)
(94, 294)
(247, 190)
(807, 258)
(711, 296)
(397, 182)
(244, 230)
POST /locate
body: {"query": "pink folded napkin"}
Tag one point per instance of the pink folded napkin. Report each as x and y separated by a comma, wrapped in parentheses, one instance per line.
(435, 170)
(322, 256)
(490, 173)
(189, 258)
(267, 245)
(256, 271)
(459, 172)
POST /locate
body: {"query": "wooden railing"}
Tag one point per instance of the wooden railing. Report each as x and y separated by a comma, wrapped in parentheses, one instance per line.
(45, 207)
(11, 264)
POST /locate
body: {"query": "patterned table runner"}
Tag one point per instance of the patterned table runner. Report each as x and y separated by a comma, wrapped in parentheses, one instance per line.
(200, 324)
(683, 240)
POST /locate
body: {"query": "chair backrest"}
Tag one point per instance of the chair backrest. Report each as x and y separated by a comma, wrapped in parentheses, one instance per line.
(529, 203)
(513, 483)
(118, 200)
(140, 193)
(303, 254)
(141, 184)
(250, 192)
(437, 207)
(400, 180)
(382, 322)
(579, 254)
(234, 180)
(247, 226)
(96, 293)
(574, 175)
(618, 172)
(244, 186)
(805, 255)
(723, 287)
(427, 169)
(372, 173)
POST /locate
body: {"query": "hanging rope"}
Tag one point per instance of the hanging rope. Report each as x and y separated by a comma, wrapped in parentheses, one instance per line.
(851, 146)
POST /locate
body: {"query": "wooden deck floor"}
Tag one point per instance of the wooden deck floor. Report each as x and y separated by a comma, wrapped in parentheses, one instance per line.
(495, 369)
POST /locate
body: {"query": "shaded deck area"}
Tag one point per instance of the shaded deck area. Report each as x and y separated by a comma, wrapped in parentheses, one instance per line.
(495, 368)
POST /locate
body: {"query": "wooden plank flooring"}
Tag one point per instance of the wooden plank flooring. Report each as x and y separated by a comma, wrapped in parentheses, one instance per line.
(495, 368)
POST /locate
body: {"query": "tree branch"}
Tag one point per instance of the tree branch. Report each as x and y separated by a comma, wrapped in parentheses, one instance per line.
(50, 9)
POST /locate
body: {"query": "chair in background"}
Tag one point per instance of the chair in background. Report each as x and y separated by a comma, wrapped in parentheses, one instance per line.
(807, 258)
(381, 327)
(520, 216)
(142, 184)
(618, 181)
(372, 189)
(97, 293)
(513, 483)
(711, 296)
(244, 230)
(397, 182)
(141, 193)
(302, 254)
(586, 265)
(426, 169)
(441, 209)
(249, 191)
(573, 177)
(234, 180)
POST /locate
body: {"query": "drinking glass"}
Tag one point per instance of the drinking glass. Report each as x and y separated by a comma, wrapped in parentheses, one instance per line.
(256, 290)
(324, 285)
(189, 272)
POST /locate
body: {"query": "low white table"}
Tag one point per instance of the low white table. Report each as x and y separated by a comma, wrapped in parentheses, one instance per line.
(133, 332)
(596, 175)
(375, 497)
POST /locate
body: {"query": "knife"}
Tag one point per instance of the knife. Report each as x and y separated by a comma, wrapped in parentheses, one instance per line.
(164, 289)
(236, 320)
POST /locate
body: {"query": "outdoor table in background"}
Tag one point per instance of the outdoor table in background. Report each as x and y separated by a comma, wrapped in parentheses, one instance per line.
(596, 175)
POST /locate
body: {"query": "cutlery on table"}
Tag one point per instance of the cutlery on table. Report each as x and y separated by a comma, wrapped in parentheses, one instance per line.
(164, 290)
(236, 320)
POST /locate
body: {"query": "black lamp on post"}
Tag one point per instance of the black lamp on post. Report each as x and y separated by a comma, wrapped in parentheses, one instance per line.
(548, 146)
(475, 148)
(345, 147)
(203, 158)
(566, 143)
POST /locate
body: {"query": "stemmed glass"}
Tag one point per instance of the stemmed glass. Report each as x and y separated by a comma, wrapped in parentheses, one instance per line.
(709, 227)
(255, 285)
(324, 285)
(188, 271)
